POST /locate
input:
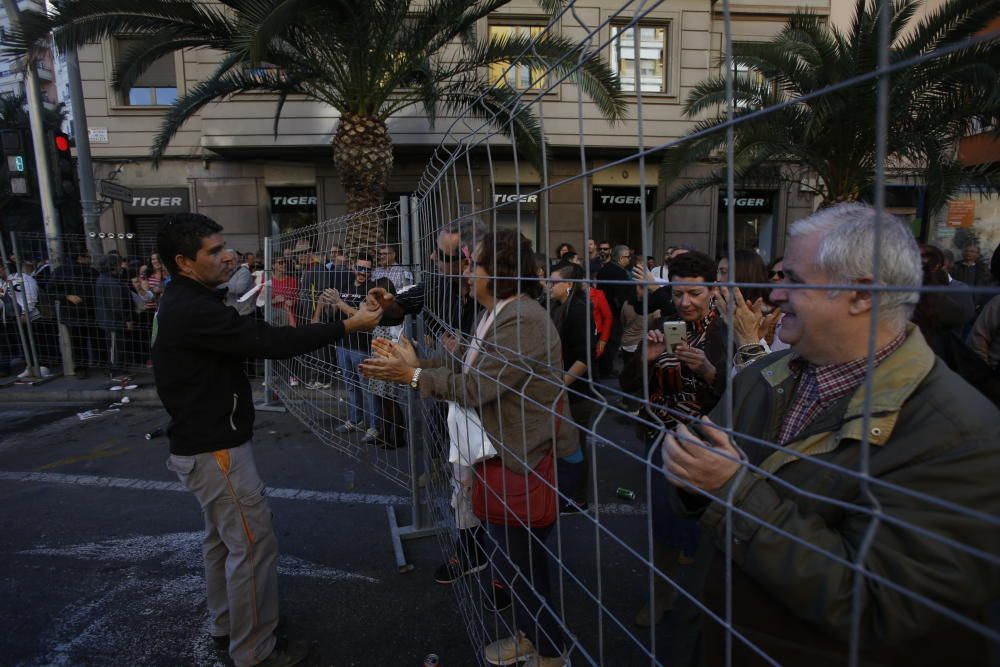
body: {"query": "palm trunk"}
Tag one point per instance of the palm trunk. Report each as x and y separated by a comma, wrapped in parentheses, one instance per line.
(362, 155)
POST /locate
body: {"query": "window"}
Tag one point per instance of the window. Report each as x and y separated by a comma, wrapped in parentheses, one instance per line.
(652, 57)
(518, 76)
(745, 72)
(158, 84)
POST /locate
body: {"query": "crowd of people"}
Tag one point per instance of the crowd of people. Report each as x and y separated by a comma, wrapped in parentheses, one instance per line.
(105, 305)
(796, 357)
(847, 496)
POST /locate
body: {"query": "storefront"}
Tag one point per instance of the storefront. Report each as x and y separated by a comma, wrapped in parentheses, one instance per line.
(617, 214)
(292, 208)
(145, 212)
(517, 210)
(756, 213)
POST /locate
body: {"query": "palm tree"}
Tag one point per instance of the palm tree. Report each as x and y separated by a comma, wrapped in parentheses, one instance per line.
(366, 59)
(826, 144)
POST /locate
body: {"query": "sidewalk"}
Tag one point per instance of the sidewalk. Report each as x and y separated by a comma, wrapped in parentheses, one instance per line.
(97, 387)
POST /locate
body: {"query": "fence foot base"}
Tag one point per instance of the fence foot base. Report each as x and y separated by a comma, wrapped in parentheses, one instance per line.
(400, 533)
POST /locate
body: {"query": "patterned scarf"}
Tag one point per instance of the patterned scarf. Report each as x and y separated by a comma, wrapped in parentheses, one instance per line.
(674, 386)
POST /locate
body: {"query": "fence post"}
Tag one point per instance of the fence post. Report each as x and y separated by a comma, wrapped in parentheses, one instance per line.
(271, 403)
(421, 524)
(30, 349)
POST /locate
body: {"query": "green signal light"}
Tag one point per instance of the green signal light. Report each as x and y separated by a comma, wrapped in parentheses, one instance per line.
(15, 163)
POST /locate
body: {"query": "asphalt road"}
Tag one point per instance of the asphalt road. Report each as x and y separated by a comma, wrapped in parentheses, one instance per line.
(105, 569)
(100, 560)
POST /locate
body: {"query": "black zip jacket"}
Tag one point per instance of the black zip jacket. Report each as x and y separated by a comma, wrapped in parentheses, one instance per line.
(199, 345)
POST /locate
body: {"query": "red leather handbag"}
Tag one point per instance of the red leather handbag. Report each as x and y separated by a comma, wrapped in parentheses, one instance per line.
(502, 496)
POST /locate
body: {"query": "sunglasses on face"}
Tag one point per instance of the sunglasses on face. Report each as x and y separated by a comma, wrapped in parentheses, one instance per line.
(777, 274)
(362, 269)
(605, 249)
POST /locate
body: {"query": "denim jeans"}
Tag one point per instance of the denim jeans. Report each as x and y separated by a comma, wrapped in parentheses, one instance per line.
(358, 396)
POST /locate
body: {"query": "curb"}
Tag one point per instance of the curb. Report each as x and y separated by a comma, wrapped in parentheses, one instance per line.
(76, 396)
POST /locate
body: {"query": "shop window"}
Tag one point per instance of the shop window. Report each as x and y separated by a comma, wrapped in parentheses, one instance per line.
(520, 77)
(652, 63)
(158, 84)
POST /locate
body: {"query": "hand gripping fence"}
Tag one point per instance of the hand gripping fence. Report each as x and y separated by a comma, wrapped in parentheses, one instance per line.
(860, 539)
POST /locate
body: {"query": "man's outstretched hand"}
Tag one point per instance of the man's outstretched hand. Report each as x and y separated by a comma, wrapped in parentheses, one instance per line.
(365, 319)
(380, 298)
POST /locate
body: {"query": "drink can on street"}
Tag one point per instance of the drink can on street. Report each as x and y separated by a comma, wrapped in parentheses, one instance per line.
(627, 494)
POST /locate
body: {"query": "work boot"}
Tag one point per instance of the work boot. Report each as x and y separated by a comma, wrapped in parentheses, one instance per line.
(664, 593)
(292, 654)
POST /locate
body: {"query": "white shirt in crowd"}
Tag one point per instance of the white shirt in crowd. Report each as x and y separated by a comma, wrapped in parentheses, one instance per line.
(23, 287)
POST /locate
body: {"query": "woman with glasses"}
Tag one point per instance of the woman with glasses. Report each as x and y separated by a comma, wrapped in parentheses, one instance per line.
(511, 375)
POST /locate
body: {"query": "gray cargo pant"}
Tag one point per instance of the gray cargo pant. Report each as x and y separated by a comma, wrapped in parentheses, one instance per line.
(240, 549)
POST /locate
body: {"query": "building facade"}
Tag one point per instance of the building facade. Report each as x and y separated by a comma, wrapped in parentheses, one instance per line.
(226, 162)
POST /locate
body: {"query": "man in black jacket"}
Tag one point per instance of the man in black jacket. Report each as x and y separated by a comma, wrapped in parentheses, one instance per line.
(199, 346)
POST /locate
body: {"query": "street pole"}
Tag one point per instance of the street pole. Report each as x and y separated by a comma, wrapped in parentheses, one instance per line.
(85, 168)
(50, 216)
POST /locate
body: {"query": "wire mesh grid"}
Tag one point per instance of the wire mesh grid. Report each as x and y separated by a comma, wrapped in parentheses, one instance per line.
(714, 476)
(82, 311)
(343, 258)
(826, 542)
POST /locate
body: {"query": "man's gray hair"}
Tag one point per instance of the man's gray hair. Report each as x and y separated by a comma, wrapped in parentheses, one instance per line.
(846, 252)
(618, 251)
(470, 230)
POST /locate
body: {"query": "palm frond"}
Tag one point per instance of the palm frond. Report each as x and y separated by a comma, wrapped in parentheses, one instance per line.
(260, 22)
(227, 85)
(506, 113)
(555, 56)
(79, 22)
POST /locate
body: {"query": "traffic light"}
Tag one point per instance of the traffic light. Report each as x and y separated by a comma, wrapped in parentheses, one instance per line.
(64, 183)
(14, 174)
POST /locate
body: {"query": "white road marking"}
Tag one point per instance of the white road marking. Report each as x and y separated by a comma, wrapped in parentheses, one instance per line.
(180, 549)
(98, 627)
(336, 497)
(153, 485)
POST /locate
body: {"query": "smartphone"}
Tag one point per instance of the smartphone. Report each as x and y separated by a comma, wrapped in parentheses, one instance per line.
(674, 333)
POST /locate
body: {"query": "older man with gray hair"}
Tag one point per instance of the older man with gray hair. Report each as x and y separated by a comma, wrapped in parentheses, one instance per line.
(239, 284)
(854, 508)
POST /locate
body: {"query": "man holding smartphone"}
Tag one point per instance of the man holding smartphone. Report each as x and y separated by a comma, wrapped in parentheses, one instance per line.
(819, 551)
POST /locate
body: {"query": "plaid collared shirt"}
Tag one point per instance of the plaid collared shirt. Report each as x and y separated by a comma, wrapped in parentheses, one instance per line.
(820, 386)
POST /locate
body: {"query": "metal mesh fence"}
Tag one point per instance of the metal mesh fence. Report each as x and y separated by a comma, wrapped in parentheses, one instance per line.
(79, 313)
(363, 418)
(810, 528)
(630, 467)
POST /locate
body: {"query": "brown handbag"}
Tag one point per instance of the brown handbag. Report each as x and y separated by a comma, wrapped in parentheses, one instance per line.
(507, 498)
(502, 496)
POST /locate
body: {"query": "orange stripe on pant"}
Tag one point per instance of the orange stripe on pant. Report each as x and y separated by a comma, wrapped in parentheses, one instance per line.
(223, 460)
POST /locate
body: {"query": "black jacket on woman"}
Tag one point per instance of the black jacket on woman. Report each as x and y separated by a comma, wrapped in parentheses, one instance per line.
(574, 320)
